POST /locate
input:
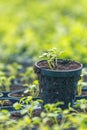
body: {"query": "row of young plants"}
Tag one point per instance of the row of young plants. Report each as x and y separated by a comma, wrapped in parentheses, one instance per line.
(50, 117)
(52, 105)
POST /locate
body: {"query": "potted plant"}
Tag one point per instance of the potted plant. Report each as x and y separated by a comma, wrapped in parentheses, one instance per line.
(58, 78)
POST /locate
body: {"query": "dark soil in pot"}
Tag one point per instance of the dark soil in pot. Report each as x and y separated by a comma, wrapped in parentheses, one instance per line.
(37, 112)
(19, 94)
(16, 115)
(62, 65)
(13, 88)
(59, 84)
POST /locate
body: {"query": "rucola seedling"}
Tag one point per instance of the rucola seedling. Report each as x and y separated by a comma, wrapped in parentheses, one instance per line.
(52, 57)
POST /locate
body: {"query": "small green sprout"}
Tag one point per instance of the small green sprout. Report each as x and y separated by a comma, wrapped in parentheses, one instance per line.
(81, 104)
(52, 57)
(17, 105)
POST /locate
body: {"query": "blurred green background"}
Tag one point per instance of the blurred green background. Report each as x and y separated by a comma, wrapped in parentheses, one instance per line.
(29, 26)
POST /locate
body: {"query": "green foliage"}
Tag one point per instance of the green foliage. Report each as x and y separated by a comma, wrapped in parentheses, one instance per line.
(27, 105)
(28, 76)
(51, 118)
(28, 27)
(17, 106)
(81, 104)
(33, 88)
(5, 83)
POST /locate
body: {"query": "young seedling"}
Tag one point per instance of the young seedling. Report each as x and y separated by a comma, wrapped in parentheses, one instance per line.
(52, 57)
(79, 89)
(52, 113)
(33, 88)
(5, 83)
(81, 83)
(27, 104)
(81, 104)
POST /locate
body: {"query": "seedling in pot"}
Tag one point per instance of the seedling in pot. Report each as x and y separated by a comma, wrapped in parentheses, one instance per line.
(52, 56)
(28, 105)
(33, 89)
(57, 77)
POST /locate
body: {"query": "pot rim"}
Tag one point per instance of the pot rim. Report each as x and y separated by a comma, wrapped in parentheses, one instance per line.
(16, 91)
(9, 98)
(79, 68)
(8, 108)
(18, 98)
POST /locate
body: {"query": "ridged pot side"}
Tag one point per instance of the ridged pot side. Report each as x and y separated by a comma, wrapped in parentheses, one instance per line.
(58, 85)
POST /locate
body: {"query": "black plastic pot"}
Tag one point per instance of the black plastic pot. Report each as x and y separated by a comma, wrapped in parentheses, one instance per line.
(58, 85)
